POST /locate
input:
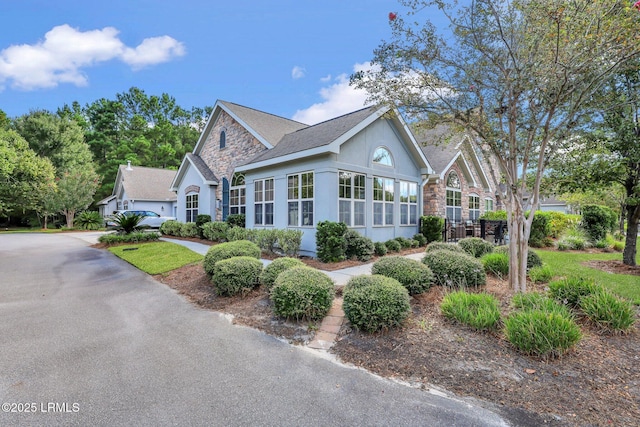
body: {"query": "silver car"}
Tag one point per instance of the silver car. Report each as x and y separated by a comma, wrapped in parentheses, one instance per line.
(151, 219)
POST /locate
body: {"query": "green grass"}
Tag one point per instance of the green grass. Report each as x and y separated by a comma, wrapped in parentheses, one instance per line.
(156, 257)
(570, 264)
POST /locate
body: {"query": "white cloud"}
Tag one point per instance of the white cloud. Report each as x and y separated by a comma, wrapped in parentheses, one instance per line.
(339, 98)
(326, 79)
(298, 72)
(66, 51)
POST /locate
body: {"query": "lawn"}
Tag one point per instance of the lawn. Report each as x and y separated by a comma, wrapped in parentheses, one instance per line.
(156, 257)
(571, 264)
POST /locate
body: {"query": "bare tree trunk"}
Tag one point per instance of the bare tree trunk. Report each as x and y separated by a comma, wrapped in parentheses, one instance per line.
(69, 215)
(630, 247)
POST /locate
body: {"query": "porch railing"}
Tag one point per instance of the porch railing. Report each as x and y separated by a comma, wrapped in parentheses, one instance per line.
(490, 230)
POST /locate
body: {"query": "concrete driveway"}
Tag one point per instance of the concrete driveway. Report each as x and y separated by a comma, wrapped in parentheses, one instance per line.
(86, 339)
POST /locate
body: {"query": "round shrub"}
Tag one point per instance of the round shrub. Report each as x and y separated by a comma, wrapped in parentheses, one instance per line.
(189, 229)
(271, 271)
(380, 248)
(171, 227)
(475, 246)
(537, 301)
(480, 311)
(571, 289)
(236, 275)
(455, 269)
(538, 333)
(229, 250)
(372, 303)
(608, 312)
(422, 241)
(393, 245)
(404, 242)
(215, 231)
(436, 246)
(358, 246)
(411, 274)
(533, 259)
(302, 293)
(496, 264)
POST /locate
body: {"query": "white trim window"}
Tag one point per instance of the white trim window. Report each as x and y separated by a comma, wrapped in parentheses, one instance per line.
(237, 194)
(474, 207)
(351, 198)
(382, 156)
(488, 205)
(191, 205)
(383, 201)
(408, 203)
(300, 199)
(264, 199)
(454, 198)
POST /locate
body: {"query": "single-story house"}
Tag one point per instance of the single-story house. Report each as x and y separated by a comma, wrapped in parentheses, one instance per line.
(141, 188)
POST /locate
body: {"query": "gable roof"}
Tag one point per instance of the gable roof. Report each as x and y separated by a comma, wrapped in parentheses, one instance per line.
(142, 183)
(265, 127)
(206, 174)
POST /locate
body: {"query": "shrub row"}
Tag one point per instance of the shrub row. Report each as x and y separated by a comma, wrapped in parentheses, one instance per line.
(269, 239)
(135, 237)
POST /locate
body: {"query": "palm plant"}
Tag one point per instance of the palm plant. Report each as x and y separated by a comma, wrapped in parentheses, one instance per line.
(128, 223)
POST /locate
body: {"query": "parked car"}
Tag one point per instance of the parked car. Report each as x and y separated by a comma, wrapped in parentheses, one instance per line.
(151, 219)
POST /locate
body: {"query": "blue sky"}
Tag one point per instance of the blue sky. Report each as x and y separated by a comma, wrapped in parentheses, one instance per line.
(290, 58)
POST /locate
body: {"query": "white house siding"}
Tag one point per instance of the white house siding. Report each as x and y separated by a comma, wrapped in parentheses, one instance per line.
(192, 183)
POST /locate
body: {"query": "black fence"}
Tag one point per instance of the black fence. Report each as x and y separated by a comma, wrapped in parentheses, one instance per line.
(490, 230)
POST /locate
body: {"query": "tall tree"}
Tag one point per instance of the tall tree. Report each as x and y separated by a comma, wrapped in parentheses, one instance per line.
(75, 191)
(517, 73)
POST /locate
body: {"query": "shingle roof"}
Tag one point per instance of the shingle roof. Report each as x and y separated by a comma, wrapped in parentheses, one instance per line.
(142, 183)
(202, 167)
(314, 136)
(271, 127)
(439, 145)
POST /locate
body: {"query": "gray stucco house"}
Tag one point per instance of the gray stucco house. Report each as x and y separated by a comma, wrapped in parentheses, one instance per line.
(364, 168)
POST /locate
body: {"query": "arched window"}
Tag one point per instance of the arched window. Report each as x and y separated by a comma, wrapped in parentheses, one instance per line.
(223, 139)
(237, 194)
(454, 198)
(382, 156)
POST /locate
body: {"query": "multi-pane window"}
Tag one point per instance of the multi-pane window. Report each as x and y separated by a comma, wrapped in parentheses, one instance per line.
(263, 199)
(474, 207)
(408, 203)
(488, 205)
(237, 194)
(192, 207)
(383, 198)
(351, 203)
(300, 199)
(454, 198)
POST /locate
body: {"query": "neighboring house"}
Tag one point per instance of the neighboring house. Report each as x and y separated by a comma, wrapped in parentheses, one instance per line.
(462, 187)
(141, 188)
(551, 204)
(365, 169)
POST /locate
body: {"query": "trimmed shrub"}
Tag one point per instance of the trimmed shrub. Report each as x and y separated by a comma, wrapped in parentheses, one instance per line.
(237, 275)
(475, 246)
(380, 248)
(495, 215)
(571, 289)
(496, 264)
(608, 312)
(240, 233)
(542, 274)
(171, 227)
(455, 269)
(480, 311)
(419, 237)
(189, 229)
(539, 333)
(393, 245)
(215, 231)
(597, 221)
(436, 246)
(358, 246)
(271, 271)
(404, 242)
(411, 274)
(302, 293)
(431, 227)
(289, 241)
(538, 301)
(540, 229)
(374, 302)
(89, 220)
(229, 250)
(330, 241)
(135, 237)
(265, 238)
(236, 220)
(201, 220)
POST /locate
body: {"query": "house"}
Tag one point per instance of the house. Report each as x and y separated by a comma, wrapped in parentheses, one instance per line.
(141, 188)
(364, 168)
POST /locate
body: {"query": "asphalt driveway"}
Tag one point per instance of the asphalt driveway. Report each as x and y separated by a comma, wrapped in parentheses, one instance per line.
(87, 339)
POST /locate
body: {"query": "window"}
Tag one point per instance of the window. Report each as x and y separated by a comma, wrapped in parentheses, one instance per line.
(488, 205)
(408, 203)
(474, 207)
(382, 156)
(223, 139)
(300, 199)
(454, 198)
(192, 207)
(263, 198)
(237, 194)
(383, 192)
(351, 193)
